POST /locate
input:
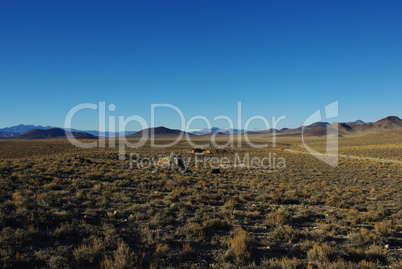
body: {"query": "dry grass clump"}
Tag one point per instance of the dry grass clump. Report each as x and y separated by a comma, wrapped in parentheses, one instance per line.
(240, 246)
(161, 249)
(321, 254)
(283, 263)
(383, 228)
(188, 250)
(122, 258)
(86, 253)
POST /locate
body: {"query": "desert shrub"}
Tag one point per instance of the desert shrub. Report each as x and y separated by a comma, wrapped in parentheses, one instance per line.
(57, 257)
(283, 263)
(286, 233)
(362, 237)
(277, 217)
(396, 264)
(87, 252)
(58, 262)
(212, 225)
(231, 204)
(321, 254)
(382, 228)
(339, 264)
(240, 246)
(194, 231)
(65, 229)
(367, 264)
(376, 253)
(188, 250)
(122, 258)
(162, 249)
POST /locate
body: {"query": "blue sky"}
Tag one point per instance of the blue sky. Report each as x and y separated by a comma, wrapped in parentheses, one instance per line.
(276, 57)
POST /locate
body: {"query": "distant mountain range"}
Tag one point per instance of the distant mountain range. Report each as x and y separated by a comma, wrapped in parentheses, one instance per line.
(357, 127)
(22, 128)
(357, 122)
(315, 129)
(206, 131)
(53, 133)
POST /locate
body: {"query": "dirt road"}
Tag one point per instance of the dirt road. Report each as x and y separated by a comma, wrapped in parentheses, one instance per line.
(351, 157)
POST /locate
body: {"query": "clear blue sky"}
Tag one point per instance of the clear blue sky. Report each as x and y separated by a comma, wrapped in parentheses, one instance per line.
(276, 57)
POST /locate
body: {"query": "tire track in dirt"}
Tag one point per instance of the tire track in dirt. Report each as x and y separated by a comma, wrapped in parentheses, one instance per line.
(351, 157)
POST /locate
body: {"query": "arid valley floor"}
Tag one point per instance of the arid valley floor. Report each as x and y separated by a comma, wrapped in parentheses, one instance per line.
(66, 207)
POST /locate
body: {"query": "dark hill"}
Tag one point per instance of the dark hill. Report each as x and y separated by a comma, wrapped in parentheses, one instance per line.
(54, 133)
(158, 132)
(312, 129)
(318, 124)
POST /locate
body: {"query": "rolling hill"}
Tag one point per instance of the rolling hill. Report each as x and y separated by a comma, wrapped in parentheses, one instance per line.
(158, 132)
(23, 128)
(353, 128)
(357, 128)
(386, 124)
(54, 133)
